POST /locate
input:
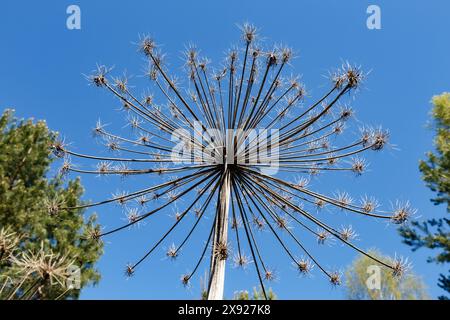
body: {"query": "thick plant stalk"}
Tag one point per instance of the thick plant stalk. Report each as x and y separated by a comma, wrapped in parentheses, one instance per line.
(218, 260)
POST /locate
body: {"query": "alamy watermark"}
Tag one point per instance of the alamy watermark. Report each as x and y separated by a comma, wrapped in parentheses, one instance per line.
(73, 280)
(252, 147)
(373, 282)
(373, 21)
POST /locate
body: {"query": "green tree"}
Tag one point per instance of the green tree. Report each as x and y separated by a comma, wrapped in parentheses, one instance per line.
(257, 295)
(434, 233)
(35, 232)
(407, 287)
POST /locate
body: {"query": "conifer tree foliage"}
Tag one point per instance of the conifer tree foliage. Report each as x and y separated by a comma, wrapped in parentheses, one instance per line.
(38, 241)
(434, 233)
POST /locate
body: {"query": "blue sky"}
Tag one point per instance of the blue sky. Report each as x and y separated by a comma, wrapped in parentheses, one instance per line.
(42, 63)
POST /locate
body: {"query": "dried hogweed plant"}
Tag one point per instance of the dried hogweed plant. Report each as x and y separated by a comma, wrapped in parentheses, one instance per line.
(237, 144)
(32, 270)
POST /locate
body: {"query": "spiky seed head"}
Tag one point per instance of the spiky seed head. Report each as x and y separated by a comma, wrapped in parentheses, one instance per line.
(129, 270)
(241, 260)
(304, 266)
(319, 203)
(249, 32)
(259, 223)
(9, 241)
(172, 252)
(221, 250)
(132, 215)
(94, 234)
(379, 139)
(347, 233)
(346, 113)
(368, 204)
(235, 223)
(338, 128)
(302, 182)
(286, 54)
(402, 213)
(147, 45)
(335, 278)
(269, 275)
(358, 166)
(185, 280)
(282, 222)
(98, 78)
(322, 237)
(53, 205)
(344, 199)
(400, 267)
(65, 168)
(58, 148)
(272, 58)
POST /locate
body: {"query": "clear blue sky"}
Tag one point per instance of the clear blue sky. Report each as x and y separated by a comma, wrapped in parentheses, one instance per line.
(41, 66)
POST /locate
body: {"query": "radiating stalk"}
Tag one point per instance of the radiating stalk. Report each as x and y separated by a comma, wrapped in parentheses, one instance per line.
(218, 261)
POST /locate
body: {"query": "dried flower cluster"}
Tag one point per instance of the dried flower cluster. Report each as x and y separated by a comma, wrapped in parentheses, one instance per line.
(33, 270)
(249, 92)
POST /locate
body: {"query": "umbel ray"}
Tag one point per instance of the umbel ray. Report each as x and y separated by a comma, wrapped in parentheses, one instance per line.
(244, 100)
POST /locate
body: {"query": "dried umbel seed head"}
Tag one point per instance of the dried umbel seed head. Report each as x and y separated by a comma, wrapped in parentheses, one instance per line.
(338, 128)
(236, 223)
(132, 215)
(249, 32)
(379, 139)
(259, 223)
(147, 45)
(121, 198)
(269, 275)
(368, 204)
(402, 213)
(121, 84)
(65, 168)
(243, 97)
(272, 58)
(344, 199)
(366, 136)
(302, 183)
(172, 252)
(191, 55)
(241, 260)
(129, 270)
(99, 129)
(400, 266)
(98, 78)
(286, 54)
(347, 233)
(8, 243)
(94, 234)
(353, 75)
(346, 113)
(319, 203)
(304, 266)
(335, 278)
(104, 167)
(58, 148)
(53, 206)
(112, 144)
(221, 250)
(185, 280)
(322, 237)
(282, 222)
(358, 166)
(48, 267)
